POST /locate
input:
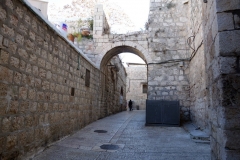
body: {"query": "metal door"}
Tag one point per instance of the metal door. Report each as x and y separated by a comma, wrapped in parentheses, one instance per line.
(170, 112)
(160, 112)
(153, 112)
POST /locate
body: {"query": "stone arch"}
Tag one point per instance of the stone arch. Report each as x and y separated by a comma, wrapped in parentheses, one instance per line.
(110, 52)
(117, 50)
(113, 49)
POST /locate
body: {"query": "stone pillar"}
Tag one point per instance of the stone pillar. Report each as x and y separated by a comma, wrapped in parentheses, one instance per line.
(98, 20)
(221, 21)
(100, 25)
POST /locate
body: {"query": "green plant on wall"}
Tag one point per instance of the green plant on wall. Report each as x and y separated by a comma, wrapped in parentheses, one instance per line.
(78, 36)
(81, 27)
(88, 36)
(90, 22)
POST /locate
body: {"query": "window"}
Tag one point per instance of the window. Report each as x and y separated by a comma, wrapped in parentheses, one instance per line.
(87, 78)
(72, 91)
(122, 91)
(144, 88)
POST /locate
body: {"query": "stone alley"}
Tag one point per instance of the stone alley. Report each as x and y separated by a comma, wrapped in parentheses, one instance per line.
(129, 139)
(53, 86)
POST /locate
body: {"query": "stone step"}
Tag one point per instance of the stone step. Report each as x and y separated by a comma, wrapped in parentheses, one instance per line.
(196, 134)
(201, 141)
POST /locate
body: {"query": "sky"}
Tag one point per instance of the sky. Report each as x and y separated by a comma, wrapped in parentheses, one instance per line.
(130, 58)
(137, 10)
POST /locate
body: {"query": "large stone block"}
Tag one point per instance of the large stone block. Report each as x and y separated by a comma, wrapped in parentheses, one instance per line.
(11, 142)
(17, 78)
(225, 21)
(6, 125)
(230, 154)
(17, 123)
(19, 12)
(10, 4)
(3, 13)
(8, 31)
(6, 74)
(31, 94)
(228, 117)
(23, 107)
(4, 57)
(227, 5)
(14, 62)
(27, 19)
(23, 53)
(23, 29)
(230, 90)
(229, 43)
(228, 65)
(29, 45)
(236, 15)
(14, 20)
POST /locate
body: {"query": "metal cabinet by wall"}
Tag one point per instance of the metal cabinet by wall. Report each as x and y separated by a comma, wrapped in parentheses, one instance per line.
(160, 112)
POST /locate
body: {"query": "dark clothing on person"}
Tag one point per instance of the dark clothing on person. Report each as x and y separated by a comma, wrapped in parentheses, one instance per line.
(130, 105)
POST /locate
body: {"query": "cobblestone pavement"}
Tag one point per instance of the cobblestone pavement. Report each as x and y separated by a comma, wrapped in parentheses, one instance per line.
(129, 139)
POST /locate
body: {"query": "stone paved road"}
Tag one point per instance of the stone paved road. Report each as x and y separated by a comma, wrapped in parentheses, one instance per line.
(134, 140)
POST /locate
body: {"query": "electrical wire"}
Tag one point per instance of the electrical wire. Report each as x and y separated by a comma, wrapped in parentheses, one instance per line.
(189, 42)
(170, 61)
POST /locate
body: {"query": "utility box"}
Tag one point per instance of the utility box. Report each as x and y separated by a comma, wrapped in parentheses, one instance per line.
(161, 112)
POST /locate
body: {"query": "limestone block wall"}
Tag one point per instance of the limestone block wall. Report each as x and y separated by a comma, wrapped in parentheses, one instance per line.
(116, 89)
(106, 42)
(96, 48)
(88, 47)
(221, 30)
(136, 78)
(48, 89)
(197, 76)
(167, 73)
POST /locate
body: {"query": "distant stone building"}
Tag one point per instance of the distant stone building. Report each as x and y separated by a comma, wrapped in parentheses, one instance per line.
(137, 85)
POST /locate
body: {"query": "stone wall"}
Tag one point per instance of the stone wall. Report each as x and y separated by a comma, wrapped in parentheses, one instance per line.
(157, 47)
(48, 89)
(136, 78)
(167, 73)
(114, 97)
(105, 43)
(197, 76)
(88, 47)
(221, 38)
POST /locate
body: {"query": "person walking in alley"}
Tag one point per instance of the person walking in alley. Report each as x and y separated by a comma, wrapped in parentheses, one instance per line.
(130, 105)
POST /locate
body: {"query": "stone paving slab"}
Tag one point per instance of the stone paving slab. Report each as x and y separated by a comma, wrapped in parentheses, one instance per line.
(135, 141)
